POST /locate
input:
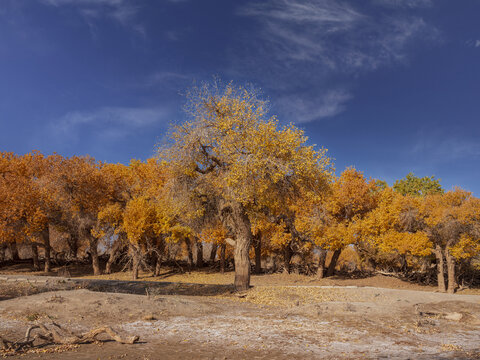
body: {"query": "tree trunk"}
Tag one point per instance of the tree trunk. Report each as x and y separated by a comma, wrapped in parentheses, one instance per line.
(36, 265)
(274, 263)
(72, 243)
(158, 266)
(188, 243)
(452, 283)
(134, 252)
(236, 221)
(403, 264)
(2, 252)
(114, 252)
(222, 257)
(213, 253)
(242, 263)
(199, 246)
(14, 251)
(258, 253)
(287, 257)
(93, 242)
(321, 263)
(45, 235)
(333, 262)
(158, 257)
(440, 268)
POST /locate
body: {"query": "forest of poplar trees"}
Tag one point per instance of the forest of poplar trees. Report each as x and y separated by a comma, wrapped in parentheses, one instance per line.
(254, 192)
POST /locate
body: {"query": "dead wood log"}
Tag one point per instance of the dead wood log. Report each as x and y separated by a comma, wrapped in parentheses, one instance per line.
(55, 334)
(384, 273)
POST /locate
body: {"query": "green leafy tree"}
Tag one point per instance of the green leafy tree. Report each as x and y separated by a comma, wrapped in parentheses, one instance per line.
(416, 186)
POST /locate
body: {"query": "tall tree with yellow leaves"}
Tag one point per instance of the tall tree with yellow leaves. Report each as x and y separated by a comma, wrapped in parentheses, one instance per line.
(29, 208)
(231, 151)
(81, 190)
(396, 226)
(137, 212)
(351, 198)
(453, 223)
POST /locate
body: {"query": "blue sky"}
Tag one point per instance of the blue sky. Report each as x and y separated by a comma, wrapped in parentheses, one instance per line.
(388, 86)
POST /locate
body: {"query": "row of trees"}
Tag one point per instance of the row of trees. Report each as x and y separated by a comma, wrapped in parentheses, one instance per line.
(232, 175)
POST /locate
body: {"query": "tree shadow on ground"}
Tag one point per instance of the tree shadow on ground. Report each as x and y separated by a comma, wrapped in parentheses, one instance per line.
(154, 288)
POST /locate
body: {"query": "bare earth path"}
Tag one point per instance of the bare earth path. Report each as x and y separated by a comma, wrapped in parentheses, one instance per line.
(270, 321)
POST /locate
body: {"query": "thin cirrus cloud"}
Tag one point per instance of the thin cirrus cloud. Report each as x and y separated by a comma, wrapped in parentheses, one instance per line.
(123, 12)
(335, 33)
(327, 40)
(473, 43)
(111, 122)
(405, 3)
(439, 148)
(305, 110)
(166, 78)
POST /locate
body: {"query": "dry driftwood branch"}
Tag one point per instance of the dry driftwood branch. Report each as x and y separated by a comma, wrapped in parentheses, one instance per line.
(21, 344)
(384, 273)
(55, 334)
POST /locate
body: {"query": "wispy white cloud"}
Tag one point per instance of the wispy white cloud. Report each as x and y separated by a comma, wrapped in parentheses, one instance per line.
(444, 148)
(474, 43)
(304, 109)
(405, 3)
(123, 12)
(110, 121)
(321, 12)
(169, 78)
(334, 33)
(312, 46)
(172, 35)
(81, 2)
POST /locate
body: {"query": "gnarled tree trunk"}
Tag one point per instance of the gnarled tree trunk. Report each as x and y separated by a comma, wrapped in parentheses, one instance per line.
(440, 268)
(93, 243)
(36, 265)
(114, 253)
(236, 220)
(321, 263)
(333, 262)
(258, 252)
(14, 251)
(213, 253)
(3, 247)
(135, 254)
(287, 257)
(242, 263)
(199, 246)
(158, 265)
(223, 248)
(45, 236)
(72, 243)
(452, 283)
(403, 264)
(158, 256)
(188, 243)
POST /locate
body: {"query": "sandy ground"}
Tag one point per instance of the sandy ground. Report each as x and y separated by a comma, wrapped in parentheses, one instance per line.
(296, 321)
